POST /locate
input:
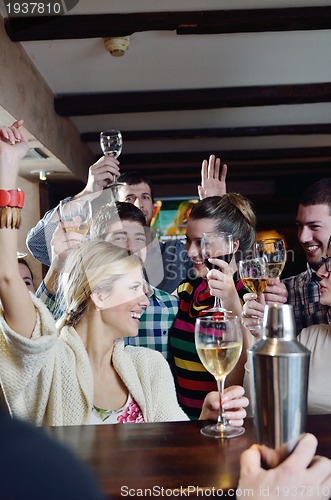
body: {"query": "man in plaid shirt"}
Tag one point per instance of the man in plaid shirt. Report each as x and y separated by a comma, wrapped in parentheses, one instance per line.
(314, 229)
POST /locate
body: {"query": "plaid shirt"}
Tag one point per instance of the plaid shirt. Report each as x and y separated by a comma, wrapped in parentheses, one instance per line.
(154, 323)
(304, 296)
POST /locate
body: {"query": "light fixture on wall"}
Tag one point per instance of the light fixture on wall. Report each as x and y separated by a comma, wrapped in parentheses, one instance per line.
(42, 174)
(117, 45)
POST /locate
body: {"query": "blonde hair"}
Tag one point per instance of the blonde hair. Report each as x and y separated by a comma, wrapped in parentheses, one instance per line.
(93, 266)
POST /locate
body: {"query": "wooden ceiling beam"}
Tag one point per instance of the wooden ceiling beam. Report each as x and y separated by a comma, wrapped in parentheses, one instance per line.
(21, 29)
(238, 155)
(224, 132)
(188, 99)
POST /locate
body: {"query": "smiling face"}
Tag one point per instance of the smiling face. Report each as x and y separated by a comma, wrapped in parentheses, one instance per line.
(122, 308)
(325, 277)
(314, 228)
(139, 195)
(130, 235)
(194, 230)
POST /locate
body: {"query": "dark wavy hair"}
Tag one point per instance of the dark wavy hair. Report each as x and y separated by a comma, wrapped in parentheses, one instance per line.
(232, 213)
(318, 193)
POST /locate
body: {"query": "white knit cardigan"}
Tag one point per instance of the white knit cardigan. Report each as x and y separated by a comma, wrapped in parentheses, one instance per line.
(48, 380)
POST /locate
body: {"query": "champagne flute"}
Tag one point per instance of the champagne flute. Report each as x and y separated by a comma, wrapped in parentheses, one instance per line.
(111, 144)
(80, 208)
(219, 343)
(274, 251)
(218, 245)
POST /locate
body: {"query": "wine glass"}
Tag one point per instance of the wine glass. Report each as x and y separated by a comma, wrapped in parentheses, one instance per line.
(218, 245)
(254, 275)
(80, 208)
(219, 343)
(111, 144)
(274, 250)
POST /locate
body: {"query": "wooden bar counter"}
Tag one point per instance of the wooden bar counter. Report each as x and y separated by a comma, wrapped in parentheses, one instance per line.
(132, 458)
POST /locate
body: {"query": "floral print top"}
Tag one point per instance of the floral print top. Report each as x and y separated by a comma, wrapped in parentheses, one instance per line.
(129, 413)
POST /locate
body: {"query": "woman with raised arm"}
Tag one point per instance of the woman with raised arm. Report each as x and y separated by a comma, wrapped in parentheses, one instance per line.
(81, 374)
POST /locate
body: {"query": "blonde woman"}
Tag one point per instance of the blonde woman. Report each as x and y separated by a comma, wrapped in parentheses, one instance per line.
(80, 372)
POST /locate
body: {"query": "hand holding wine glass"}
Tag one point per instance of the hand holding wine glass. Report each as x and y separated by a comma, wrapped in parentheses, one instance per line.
(254, 275)
(111, 143)
(79, 211)
(216, 245)
(219, 344)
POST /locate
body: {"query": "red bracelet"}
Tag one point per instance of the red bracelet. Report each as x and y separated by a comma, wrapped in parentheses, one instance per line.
(12, 198)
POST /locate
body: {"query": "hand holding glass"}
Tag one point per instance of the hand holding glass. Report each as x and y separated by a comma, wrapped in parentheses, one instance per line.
(254, 275)
(111, 144)
(70, 210)
(216, 245)
(219, 343)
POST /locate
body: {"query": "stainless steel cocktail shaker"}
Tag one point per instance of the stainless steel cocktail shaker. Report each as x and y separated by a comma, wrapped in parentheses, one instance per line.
(279, 380)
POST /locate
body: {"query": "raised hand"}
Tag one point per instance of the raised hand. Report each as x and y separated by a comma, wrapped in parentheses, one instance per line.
(105, 170)
(63, 241)
(13, 147)
(213, 183)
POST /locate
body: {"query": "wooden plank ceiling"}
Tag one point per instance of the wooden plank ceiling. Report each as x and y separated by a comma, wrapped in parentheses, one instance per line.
(301, 163)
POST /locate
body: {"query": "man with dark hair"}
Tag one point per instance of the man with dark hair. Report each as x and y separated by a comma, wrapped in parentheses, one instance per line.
(176, 264)
(314, 229)
(138, 191)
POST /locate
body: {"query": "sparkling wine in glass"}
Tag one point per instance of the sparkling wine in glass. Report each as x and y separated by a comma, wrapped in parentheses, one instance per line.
(219, 343)
(111, 143)
(79, 210)
(274, 251)
(218, 245)
(254, 275)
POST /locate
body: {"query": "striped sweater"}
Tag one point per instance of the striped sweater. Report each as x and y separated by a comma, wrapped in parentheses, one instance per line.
(193, 382)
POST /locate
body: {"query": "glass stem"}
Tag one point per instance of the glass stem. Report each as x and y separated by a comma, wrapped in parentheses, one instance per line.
(220, 385)
(218, 303)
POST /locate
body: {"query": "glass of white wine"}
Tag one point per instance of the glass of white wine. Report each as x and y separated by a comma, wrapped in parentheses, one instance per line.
(274, 251)
(254, 275)
(219, 343)
(218, 245)
(79, 210)
(111, 143)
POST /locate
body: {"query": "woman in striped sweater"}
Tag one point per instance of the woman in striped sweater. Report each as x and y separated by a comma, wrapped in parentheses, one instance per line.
(230, 213)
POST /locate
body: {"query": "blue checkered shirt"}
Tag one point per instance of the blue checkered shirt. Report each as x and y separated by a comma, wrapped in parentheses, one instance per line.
(154, 323)
(304, 296)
